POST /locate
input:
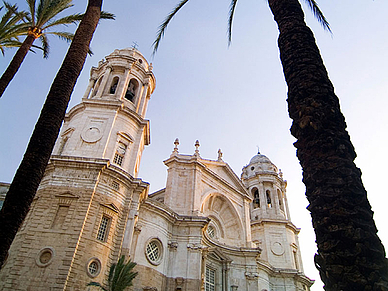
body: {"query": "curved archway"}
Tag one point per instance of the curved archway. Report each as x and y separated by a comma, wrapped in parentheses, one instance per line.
(225, 218)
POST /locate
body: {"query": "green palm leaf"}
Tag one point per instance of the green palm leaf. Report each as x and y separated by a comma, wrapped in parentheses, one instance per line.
(318, 14)
(97, 285)
(232, 8)
(163, 26)
(120, 276)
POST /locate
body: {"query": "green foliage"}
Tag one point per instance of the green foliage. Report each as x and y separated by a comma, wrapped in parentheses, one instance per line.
(11, 27)
(43, 17)
(120, 276)
(162, 28)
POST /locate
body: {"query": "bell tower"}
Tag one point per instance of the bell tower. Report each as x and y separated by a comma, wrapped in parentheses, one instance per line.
(84, 213)
(272, 229)
(109, 122)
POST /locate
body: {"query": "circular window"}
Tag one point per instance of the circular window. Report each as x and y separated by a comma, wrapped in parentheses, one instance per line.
(93, 267)
(154, 251)
(211, 231)
(45, 257)
(252, 168)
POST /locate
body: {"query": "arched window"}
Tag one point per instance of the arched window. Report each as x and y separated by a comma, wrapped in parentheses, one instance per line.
(268, 194)
(256, 198)
(119, 154)
(280, 197)
(131, 90)
(113, 87)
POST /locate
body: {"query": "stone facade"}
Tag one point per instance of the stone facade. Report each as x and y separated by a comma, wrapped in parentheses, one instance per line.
(207, 229)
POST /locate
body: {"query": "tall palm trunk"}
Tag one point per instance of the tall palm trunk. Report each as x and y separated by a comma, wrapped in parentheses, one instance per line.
(16, 62)
(350, 254)
(36, 157)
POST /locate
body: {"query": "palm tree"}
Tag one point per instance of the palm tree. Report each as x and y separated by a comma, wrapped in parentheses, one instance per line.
(31, 169)
(350, 254)
(11, 27)
(120, 276)
(40, 19)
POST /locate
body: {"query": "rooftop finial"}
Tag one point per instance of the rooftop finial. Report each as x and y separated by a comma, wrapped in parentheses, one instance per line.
(280, 173)
(219, 155)
(258, 150)
(176, 143)
(135, 45)
(197, 147)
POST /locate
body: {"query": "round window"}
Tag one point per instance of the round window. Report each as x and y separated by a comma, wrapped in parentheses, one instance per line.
(45, 257)
(154, 251)
(93, 267)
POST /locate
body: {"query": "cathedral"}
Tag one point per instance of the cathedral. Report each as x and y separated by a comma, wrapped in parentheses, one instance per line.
(208, 229)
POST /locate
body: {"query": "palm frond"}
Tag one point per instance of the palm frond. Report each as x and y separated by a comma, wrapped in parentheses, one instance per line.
(31, 12)
(318, 14)
(163, 26)
(45, 45)
(118, 269)
(232, 8)
(70, 19)
(10, 28)
(111, 275)
(66, 36)
(97, 285)
(107, 15)
(51, 8)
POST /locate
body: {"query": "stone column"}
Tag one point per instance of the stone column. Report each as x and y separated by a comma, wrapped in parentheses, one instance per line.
(252, 281)
(131, 222)
(275, 202)
(101, 89)
(142, 98)
(287, 210)
(263, 199)
(92, 80)
(122, 89)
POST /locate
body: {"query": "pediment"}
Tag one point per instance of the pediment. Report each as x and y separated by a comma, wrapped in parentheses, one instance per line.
(111, 207)
(66, 198)
(224, 174)
(218, 255)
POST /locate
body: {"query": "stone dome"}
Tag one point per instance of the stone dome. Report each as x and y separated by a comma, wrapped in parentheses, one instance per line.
(259, 158)
(259, 164)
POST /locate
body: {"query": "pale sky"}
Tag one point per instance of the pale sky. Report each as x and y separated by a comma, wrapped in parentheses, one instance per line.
(230, 98)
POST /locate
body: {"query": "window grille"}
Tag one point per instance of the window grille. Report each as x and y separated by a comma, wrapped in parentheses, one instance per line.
(103, 229)
(119, 155)
(210, 282)
(93, 268)
(153, 251)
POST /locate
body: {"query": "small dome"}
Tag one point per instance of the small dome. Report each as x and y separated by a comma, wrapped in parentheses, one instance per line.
(259, 164)
(259, 158)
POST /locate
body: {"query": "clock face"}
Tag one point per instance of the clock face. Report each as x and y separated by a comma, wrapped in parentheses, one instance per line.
(91, 134)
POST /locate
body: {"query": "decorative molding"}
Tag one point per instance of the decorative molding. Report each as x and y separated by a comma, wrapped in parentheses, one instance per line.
(66, 198)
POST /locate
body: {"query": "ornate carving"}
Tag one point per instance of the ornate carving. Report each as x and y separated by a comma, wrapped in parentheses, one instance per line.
(172, 245)
(195, 246)
(137, 228)
(251, 275)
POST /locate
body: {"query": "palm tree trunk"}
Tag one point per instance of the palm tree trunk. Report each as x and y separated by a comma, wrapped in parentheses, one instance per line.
(15, 63)
(37, 155)
(350, 254)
